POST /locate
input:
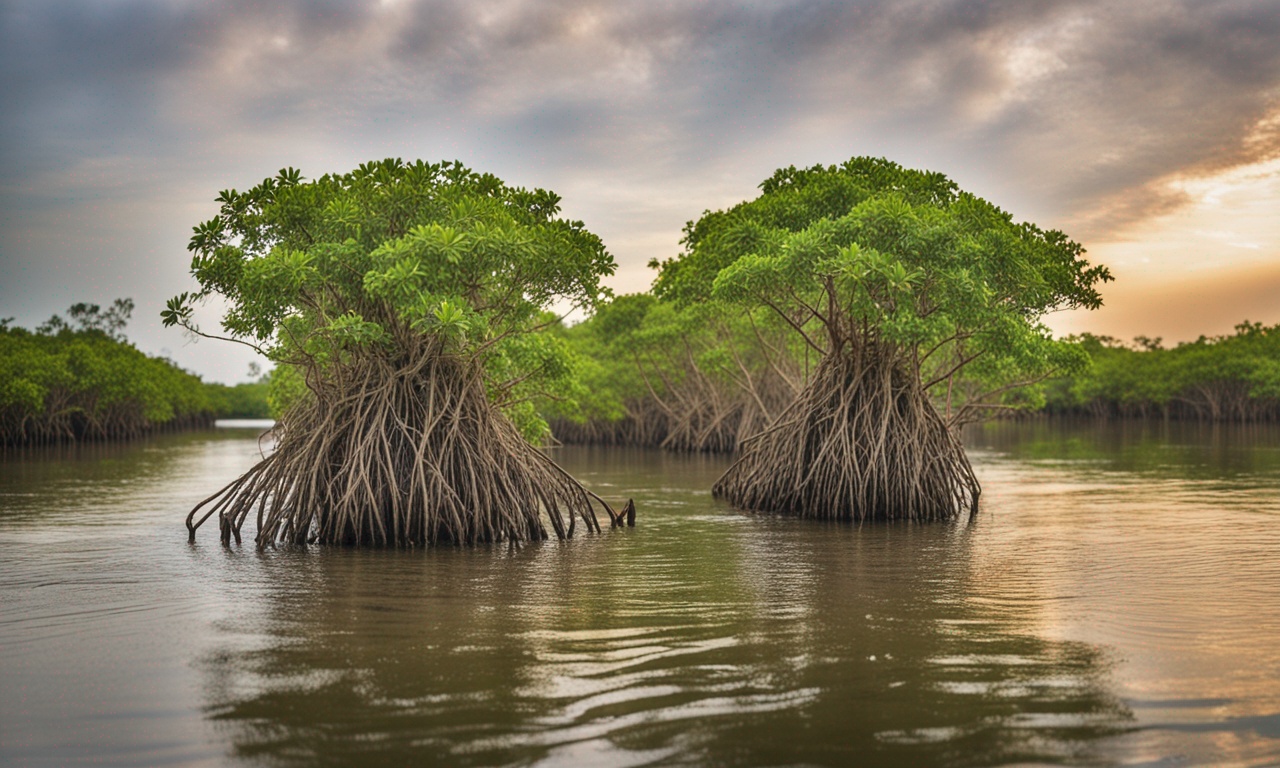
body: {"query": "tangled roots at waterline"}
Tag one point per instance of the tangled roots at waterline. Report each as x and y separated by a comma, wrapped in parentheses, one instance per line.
(401, 457)
(862, 442)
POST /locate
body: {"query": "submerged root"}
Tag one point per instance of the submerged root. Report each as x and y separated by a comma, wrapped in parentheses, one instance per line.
(861, 442)
(406, 456)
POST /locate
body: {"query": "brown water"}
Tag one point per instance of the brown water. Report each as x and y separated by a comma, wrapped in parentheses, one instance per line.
(1117, 603)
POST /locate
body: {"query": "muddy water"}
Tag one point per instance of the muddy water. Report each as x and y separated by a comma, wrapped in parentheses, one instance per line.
(1116, 603)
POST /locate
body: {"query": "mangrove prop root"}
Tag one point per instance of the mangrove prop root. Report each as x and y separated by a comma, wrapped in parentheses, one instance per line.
(693, 416)
(861, 442)
(401, 456)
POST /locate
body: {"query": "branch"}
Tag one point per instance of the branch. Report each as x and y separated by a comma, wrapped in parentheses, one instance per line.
(808, 307)
(648, 385)
(751, 385)
(196, 331)
(766, 348)
(977, 404)
(963, 362)
(792, 323)
(957, 336)
(1015, 385)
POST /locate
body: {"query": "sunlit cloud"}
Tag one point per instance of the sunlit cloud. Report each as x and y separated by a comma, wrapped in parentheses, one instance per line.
(1205, 265)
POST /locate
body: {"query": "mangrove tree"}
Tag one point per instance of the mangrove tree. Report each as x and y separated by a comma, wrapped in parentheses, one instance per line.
(922, 304)
(400, 302)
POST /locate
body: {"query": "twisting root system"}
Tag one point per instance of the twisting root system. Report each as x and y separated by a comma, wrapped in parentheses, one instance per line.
(861, 442)
(401, 455)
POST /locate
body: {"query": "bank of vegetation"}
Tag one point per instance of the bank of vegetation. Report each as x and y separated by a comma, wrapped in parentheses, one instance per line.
(245, 400)
(1233, 377)
(692, 381)
(77, 378)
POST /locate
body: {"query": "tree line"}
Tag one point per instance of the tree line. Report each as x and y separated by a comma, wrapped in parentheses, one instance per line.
(1234, 377)
(77, 378)
(694, 379)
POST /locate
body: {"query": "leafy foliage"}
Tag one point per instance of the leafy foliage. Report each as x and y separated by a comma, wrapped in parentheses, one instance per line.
(689, 377)
(81, 380)
(1235, 377)
(393, 255)
(246, 400)
(91, 317)
(869, 253)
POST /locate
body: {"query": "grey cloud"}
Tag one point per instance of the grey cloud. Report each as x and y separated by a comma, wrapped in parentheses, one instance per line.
(1070, 112)
(1141, 90)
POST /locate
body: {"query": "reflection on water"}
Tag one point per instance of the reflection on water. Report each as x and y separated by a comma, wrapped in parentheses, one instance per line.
(1177, 449)
(1115, 603)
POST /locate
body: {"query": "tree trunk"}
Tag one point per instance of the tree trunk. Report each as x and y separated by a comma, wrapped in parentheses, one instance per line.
(401, 456)
(861, 442)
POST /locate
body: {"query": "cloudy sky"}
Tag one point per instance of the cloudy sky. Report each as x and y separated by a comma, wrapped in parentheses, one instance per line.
(1149, 131)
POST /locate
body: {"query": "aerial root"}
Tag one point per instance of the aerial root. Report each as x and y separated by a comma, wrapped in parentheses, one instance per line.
(406, 457)
(862, 442)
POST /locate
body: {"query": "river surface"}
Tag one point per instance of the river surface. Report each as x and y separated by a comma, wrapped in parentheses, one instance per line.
(1117, 602)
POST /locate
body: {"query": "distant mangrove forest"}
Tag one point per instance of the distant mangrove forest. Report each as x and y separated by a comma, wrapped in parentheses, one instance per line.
(77, 378)
(694, 379)
(1222, 378)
